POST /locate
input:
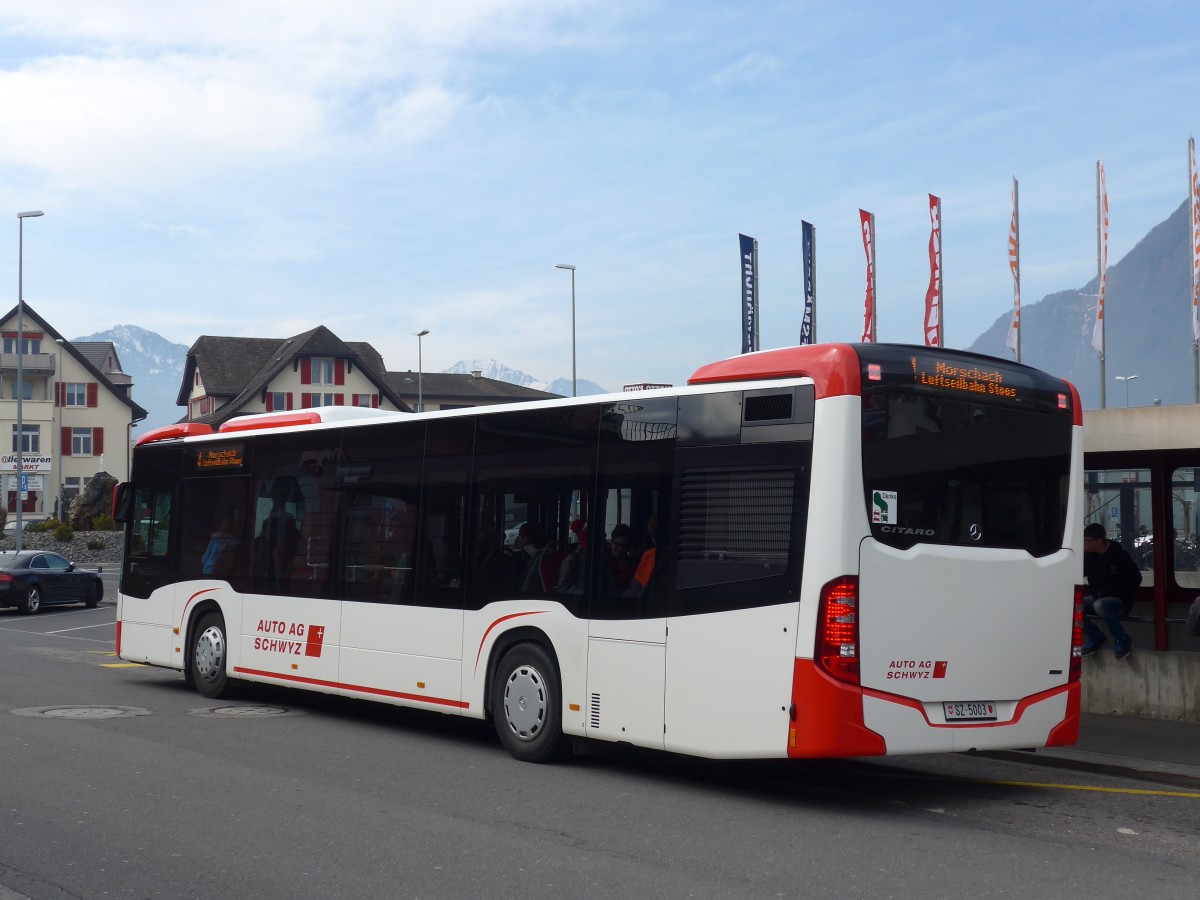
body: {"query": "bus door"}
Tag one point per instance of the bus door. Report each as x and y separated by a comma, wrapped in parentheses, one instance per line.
(627, 628)
(290, 624)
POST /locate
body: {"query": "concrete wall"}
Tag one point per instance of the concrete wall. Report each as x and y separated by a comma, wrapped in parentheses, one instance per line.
(1154, 685)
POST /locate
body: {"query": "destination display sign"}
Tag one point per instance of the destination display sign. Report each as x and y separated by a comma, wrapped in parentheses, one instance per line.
(203, 461)
(964, 376)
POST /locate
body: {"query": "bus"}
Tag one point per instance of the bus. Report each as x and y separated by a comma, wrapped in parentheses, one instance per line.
(821, 551)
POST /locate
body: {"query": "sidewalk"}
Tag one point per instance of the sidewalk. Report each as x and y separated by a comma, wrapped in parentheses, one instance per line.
(1145, 749)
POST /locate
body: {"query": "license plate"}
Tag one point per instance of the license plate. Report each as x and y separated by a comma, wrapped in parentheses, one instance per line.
(970, 711)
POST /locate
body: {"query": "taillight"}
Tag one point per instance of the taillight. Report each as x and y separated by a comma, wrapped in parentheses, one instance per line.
(837, 629)
(1077, 636)
(5, 579)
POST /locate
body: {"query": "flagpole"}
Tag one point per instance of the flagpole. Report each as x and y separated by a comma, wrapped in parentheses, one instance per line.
(1017, 251)
(1099, 278)
(1194, 206)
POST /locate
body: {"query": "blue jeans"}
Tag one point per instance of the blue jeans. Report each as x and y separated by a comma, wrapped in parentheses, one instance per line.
(1110, 609)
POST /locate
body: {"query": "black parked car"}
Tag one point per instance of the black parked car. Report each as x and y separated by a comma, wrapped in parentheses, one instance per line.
(31, 579)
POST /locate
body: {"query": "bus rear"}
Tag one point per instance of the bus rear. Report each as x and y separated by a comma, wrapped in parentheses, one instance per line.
(959, 625)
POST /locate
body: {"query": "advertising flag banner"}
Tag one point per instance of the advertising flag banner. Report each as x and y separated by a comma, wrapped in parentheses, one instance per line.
(808, 324)
(1013, 340)
(867, 221)
(933, 295)
(1102, 264)
(749, 262)
(1194, 181)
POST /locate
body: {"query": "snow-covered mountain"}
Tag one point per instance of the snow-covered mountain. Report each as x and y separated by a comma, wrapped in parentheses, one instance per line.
(156, 367)
(491, 368)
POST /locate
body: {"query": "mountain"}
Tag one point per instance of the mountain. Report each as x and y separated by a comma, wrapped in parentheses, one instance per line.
(490, 368)
(156, 367)
(1147, 313)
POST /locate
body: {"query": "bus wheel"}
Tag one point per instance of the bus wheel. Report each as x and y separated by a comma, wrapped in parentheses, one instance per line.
(527, 706)
(206, 663)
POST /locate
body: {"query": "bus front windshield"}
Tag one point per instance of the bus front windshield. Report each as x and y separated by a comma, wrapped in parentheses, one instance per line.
(944, 470)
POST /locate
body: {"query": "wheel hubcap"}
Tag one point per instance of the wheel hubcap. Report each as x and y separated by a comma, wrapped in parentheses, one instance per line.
(210, 654)
(34, 600)
(525, 703)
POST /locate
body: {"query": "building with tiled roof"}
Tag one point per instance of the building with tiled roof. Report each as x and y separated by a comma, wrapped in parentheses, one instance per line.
(224, 377)
(443, 390)
(77, 413)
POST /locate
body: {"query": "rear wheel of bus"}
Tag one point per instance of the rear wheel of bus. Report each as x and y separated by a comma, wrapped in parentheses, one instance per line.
(207, 661)
(527, 705)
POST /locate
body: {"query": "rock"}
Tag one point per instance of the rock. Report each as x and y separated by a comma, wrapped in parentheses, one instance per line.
(96, 500)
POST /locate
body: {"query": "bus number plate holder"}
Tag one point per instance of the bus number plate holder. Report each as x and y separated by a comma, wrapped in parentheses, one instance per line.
(970, 711)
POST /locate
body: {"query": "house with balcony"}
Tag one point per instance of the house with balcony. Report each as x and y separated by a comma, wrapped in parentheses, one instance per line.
(68, 411)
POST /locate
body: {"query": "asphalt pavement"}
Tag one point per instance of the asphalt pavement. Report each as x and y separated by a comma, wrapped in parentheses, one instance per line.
(1146, 749)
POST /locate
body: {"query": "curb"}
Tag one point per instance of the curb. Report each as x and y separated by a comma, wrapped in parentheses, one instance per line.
(1121, 766)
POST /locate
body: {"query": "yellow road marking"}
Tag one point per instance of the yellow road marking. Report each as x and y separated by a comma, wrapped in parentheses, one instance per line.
(1191, 795)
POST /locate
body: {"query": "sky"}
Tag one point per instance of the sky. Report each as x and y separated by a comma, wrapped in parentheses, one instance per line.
(381, 167)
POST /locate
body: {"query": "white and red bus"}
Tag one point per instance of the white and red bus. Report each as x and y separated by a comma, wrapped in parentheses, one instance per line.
(836, 551)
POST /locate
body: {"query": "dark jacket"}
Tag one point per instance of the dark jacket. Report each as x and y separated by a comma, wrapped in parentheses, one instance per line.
(1112, 573)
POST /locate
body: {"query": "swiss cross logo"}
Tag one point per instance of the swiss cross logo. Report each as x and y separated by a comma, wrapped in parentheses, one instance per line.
(939, 669)
(316, 639)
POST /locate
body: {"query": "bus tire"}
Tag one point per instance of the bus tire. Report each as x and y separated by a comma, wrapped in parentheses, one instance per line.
(209, 656)
(527, 705)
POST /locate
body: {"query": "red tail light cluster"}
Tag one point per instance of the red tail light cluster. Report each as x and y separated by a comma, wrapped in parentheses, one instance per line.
(1077, 636)
(837, 629)
(5, 580)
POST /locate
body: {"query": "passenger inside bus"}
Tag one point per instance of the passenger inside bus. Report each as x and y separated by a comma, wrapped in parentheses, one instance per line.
(640, 587)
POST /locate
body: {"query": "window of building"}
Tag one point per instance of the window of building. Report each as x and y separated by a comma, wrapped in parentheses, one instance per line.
(74, 394)
(28, 345)
(1120, 500)
(81, 442)
(367, 400)
(322, 400)
(277, 400)
(322, 370)
(33, 439)
(26, 392)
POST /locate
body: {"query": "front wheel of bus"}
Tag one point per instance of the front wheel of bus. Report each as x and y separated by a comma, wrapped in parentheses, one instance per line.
(527, 706)
(206, 663)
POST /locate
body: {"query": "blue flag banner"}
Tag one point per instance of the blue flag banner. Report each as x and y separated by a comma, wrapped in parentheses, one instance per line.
(808, 325)
(749, 252)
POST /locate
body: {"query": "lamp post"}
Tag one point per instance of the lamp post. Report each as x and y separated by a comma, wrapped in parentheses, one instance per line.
(1126, 379)
(21, 217)
(60, 414)
(420, 371)
(574, 382)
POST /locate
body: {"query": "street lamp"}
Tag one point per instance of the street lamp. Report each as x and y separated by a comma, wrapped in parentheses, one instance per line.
(1126, 379)
(574, 383)
(21, 217)
(420, 369)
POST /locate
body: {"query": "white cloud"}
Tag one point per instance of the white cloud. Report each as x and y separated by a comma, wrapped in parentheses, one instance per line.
(131, 93)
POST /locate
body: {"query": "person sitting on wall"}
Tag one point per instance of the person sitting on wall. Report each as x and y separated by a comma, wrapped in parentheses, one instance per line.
(1113, 577)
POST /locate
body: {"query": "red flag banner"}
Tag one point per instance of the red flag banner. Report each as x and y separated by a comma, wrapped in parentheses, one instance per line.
(1013, 341)
(867, 220)
(933, 295)
(1102, 212)
(1194, 180)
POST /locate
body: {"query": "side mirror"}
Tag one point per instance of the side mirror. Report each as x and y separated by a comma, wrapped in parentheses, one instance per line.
(122, 505)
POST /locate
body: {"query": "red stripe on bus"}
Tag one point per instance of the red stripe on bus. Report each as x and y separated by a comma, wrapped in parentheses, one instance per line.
(479, 652)
(190, 600)
(362, 689)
